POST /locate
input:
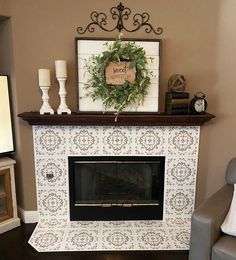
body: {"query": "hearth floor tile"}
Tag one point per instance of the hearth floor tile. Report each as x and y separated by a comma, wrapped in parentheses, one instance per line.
(53, 235)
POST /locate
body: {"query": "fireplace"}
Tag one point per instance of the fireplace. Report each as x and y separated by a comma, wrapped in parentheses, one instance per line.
(116, 187)
(59, 137)
(54, 145)
(57, 148)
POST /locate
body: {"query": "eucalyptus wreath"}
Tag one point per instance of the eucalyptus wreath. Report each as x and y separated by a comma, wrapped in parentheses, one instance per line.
(119, 97)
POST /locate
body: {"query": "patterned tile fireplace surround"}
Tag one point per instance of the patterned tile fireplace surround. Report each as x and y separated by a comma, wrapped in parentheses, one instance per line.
(53, 145)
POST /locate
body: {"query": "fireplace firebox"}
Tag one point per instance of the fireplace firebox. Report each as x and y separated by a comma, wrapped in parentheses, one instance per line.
(116, 187)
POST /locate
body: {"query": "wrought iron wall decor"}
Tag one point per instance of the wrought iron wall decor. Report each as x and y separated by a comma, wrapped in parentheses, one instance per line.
(120, 14)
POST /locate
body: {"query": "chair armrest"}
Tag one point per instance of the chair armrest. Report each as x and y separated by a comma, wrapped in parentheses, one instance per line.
(206, 222)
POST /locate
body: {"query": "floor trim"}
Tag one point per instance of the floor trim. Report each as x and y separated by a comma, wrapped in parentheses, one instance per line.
(28, 216)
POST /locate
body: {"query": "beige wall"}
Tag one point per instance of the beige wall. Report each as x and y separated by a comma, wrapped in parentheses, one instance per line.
(198, 41)
(218, 142)
(4, 8)
(5, 38)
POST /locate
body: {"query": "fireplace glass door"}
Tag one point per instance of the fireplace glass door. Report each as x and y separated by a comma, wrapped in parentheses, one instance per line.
(116, 183)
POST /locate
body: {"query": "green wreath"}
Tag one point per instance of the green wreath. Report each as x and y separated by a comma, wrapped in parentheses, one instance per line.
(119, 96)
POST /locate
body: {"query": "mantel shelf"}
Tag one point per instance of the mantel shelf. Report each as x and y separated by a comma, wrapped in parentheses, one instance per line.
(131, 119)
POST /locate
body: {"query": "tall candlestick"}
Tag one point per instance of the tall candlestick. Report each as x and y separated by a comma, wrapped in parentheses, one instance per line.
(61, 75)
(44, 77)
(63, 108)
(61, 71)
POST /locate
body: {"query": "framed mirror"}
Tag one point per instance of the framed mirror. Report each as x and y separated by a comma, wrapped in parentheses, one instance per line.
(6, 128)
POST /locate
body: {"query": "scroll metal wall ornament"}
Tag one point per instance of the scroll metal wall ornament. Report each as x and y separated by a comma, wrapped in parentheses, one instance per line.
(120, 14)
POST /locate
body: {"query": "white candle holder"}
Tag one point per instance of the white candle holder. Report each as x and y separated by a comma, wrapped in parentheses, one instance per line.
(46, 108)
(63, 108)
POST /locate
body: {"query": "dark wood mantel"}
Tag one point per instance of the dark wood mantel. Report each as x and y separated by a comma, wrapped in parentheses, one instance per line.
(144, 119)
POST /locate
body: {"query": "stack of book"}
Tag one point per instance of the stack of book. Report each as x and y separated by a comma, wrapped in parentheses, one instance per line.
(177, 103)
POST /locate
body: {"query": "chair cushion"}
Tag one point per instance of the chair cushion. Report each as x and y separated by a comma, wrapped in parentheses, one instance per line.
(229, 224)
(224, 248)
(230, 176)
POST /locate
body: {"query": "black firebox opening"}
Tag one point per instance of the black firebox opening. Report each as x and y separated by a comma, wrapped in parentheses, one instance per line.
(116, 187)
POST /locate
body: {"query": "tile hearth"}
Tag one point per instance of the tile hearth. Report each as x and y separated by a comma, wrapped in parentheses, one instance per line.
(60, 235)
(52, 147)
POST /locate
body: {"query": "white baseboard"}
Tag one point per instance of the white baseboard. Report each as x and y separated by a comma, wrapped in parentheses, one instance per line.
(27, 216)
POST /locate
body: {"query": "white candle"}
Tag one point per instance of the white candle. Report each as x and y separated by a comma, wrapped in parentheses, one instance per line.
(61, 71)
(44, 77)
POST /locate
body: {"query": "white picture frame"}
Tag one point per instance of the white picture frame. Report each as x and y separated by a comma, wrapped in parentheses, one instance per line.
(86, 47)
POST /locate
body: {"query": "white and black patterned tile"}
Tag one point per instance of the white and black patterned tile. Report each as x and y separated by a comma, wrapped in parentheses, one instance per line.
(117, 141)
(84, 140)
(183, 140)
(50, 141)
(153, 239)
(116, 224)
(53, 203)
(54, 223)
(81, 240)
(47, 240)
(180, 172)
(151, 224)
(117, 239)
(84, 224)
(178, 222)
(180, 238)
(179, 202)
(51, 173)
(149, 140)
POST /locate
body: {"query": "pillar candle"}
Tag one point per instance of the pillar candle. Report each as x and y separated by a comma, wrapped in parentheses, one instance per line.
(44, 77)
(61, 71)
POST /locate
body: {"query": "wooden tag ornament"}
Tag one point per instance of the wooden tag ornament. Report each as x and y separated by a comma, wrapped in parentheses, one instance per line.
(117, 73)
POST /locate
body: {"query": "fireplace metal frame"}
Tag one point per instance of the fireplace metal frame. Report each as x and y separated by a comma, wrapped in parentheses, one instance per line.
(116, 211)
